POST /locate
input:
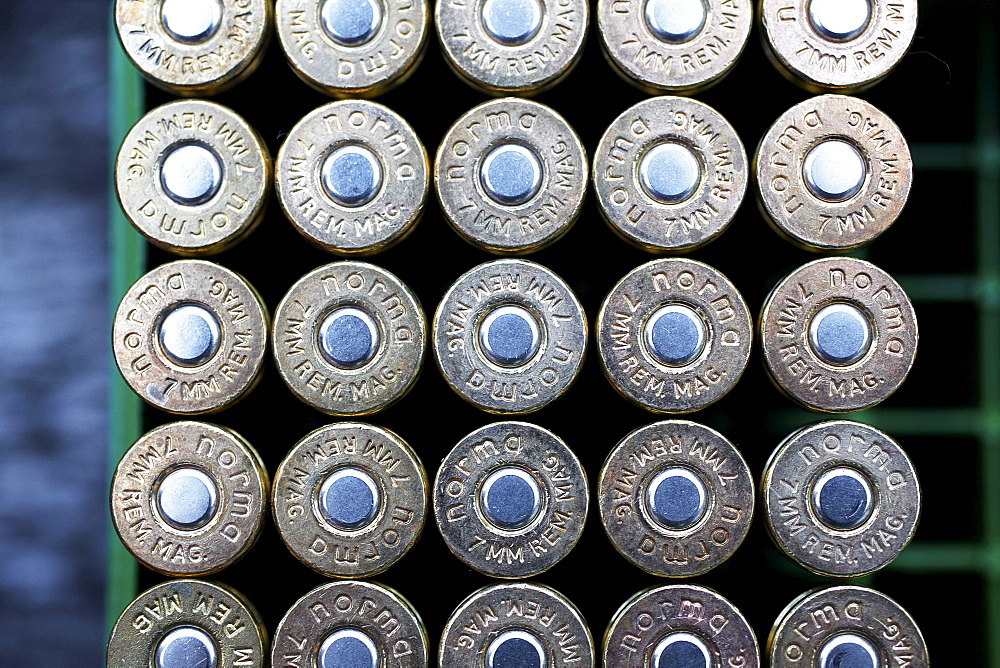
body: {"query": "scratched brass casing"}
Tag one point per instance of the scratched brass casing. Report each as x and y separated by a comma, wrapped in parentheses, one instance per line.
(808, 220)
(458, 332)
(627, 359)
(687, 224)
(240, 483)
(203, 228)
(789, 483)
(381, 614)
(395, 362)
(397, 519)
(357, 229)
(511, 228)
(527, 611)
(229, 623)
(806, 626)
(221, 379)
(623, 497)
(658, 66)
(550, 533)
(794, 365)
(814, 61)
(639, 629)
(365, 69)
(202, 66)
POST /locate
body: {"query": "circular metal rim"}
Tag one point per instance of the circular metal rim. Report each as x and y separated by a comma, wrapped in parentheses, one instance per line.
(131, 646)
(300, 313)
(871, 373)
(659, 120)
(548, 459)
(320, 62)
(736, 484)
(724, 380)
(148, 460)
(868, 213)
(298, 471)
(786, 34)
(565, 146)
(741, 648)
(404, 189)
(783, 465)
(240, 356)
(633, 32)
(452, 23)
(299, 632)
(226, 203)
(565, 623)
(148, 27)
(843, 600)
(563, 345)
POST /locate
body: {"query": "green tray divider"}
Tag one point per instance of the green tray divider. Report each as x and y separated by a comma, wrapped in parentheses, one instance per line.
(127, 250)
(988, 272)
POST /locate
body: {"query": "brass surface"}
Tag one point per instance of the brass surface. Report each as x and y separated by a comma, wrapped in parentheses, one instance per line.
(787, 485)
(353, 230)
(520, 606)
(364, 70)
(379, 612)
(654, 613)
(658, 67)
(635, 533)
(809, 621)
(227, 57)
(686, 225)
(819, 64)
(398, 520)
(241, 483)
(535, 383)
(230, 620)
(793, 364)
(222, 380)
(387, 376)
(525, 69)
(201, 229)
(631, 367)
(816, 224)
(511, 229)
(552, 533)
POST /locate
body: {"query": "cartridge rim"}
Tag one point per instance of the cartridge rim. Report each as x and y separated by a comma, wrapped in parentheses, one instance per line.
(551, 532)
(701, 210)
(504, 387)
(218, 611)
(203, 66)
(399, 506)
(631, 521)
(560, 631)
(367, 607)
(840, 610)
(793, 206)
(789, 485)
(221, 380)
(342, 224)
(215, 220)
(641, 624)
(545, 211)
(852, 60)
(391, 48)
(632, 367)
(697, 58)
(802, 374)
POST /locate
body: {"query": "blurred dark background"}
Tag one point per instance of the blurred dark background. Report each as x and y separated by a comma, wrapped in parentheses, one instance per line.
(55, 365)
